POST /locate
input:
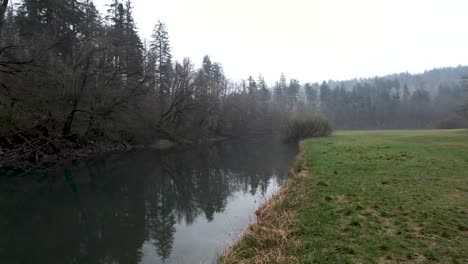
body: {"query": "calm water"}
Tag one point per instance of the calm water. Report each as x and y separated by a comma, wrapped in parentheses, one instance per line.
(179, 206)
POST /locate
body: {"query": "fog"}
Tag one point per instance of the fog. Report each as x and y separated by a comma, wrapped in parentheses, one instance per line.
(311, 40)
(136, 72)
(130, 127)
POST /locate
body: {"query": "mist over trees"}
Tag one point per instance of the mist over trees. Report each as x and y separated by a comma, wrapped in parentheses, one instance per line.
(427, 100)
(464, 111)
(74, 73)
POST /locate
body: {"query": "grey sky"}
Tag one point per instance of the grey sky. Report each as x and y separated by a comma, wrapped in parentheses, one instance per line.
(312, 40)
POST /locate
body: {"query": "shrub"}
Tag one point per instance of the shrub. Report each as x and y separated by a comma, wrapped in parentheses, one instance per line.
(306, 126)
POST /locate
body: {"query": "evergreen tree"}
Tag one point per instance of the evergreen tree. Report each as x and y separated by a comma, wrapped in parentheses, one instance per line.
(8, 27)
(311, 95)
(252, 86)
(127, 48)
(293, 93)
(280, 91)
(3, 10)
(133, 44)
(325, 96)
(406, 94)
(264, 92)
(162, 59)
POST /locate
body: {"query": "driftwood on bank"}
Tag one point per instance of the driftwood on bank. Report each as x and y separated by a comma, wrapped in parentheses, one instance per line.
(37, 148)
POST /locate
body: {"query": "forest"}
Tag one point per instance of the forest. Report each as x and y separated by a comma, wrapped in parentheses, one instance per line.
(72, 77)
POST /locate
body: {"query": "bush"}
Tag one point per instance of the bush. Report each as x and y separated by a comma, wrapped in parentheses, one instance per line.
(306, 126)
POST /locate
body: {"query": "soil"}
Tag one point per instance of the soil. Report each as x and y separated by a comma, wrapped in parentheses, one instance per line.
(36, 148)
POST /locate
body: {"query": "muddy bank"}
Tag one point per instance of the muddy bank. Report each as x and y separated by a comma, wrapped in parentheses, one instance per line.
(44, 155)
(37, 148)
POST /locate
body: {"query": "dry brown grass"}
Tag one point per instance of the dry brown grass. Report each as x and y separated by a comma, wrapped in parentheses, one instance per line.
(270, 238)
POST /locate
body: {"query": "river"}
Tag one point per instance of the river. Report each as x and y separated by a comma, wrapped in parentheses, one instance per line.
(141, 206)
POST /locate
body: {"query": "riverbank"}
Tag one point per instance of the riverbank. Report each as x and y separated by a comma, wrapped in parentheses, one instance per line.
(43, 153)
(367, 197)
(36, 149)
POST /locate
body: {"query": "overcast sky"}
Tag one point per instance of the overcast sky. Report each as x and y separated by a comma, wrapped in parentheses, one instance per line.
(312, 40)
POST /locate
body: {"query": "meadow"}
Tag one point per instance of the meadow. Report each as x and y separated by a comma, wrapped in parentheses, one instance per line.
(368, 197)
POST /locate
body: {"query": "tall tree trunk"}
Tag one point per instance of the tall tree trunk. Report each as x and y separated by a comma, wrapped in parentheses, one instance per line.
(71, 116)
(3, 9)
(89, 130)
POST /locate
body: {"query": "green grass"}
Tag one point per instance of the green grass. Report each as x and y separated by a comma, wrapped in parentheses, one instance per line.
(381, 197)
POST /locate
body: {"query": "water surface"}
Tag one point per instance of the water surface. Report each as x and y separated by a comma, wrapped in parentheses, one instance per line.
(177, 206)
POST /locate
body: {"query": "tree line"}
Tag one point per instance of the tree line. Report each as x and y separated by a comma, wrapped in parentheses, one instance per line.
(69, 71)
(77, 74)
(389, 103)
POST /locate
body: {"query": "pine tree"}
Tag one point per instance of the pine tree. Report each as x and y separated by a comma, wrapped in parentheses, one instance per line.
(58, 23)
(311, 95)
(264, 93)
(133, 45)
(280, 91)
(325, 97)
(252, 86)
(293, 92)
(162, 59)
(8, 28)
(3, 10)
(406, 94)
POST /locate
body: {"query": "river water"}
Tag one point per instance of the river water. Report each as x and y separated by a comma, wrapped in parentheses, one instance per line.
(142, 206)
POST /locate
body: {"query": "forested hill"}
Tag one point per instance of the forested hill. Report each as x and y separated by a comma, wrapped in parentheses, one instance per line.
(431, 99)
(430, 80)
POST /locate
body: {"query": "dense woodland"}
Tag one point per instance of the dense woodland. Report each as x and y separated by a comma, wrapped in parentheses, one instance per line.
(432, 99)
(68, 71)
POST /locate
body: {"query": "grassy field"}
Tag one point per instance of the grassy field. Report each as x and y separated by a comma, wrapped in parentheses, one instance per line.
(368, 197)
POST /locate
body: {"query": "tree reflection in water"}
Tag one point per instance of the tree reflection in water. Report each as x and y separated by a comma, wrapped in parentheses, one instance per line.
(104, 210)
